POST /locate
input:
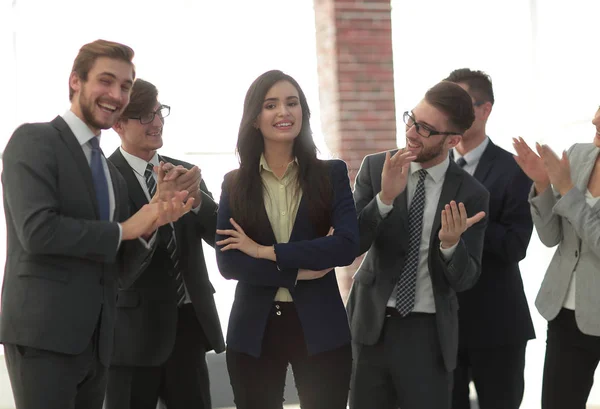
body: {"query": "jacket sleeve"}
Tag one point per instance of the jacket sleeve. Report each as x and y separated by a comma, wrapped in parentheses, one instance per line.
(236, 265)
(337, 250)
(507, 236)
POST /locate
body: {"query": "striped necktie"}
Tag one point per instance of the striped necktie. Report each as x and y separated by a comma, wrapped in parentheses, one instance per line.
(166, 235)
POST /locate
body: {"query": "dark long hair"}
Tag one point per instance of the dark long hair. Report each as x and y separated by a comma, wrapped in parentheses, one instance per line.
(245, 184)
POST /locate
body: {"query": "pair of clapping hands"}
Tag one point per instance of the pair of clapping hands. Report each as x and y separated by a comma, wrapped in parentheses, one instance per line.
(394, 178)
(545, 167)
(177, 192)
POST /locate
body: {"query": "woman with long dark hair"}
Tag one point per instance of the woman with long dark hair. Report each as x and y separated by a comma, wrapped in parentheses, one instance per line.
(285, 220)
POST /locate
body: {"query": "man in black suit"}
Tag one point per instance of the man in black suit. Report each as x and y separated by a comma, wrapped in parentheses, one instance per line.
(412, 209)
(162, 334)
(494, 318)
(70, 239)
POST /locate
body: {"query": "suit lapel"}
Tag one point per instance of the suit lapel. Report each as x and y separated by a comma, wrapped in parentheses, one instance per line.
(136, 194)
(452, 182)
(586, 167)
(77, 152)
(485, 162)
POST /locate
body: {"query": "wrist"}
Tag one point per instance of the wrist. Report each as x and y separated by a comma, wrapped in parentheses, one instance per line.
(385, 199)
(564, 190)
(446, 245)
(540, 187)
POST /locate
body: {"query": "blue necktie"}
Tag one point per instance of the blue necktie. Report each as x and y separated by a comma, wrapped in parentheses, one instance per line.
(461, 162)
(407, 284)
(99, 178)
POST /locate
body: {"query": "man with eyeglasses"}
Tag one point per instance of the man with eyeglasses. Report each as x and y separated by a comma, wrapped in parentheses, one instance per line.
(494, 319)
(167, 320)
(413, 206)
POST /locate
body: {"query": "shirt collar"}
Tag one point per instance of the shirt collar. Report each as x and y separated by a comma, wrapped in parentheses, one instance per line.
(473, 155)
(138, 164)
(264, 165)
(81, 131)
(436, 172)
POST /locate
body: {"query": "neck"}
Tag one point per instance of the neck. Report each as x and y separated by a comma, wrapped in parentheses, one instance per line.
(278, 155)
(435, 161)
(75, 109)
(467, 145)
(142, 154)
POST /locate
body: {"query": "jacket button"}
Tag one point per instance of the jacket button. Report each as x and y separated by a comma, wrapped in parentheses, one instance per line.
(576, 253)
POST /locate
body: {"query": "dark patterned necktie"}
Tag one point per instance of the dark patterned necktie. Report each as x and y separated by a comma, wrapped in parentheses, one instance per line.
(461, 162)
(166, 235)
(99, 178)
(406, 286)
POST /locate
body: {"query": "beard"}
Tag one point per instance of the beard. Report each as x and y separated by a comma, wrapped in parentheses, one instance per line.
(429, 153)
(87, 110)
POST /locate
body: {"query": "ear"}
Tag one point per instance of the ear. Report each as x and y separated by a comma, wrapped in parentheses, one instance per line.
(453, 140)
(487, 110)
(75, 82)
(119, 127)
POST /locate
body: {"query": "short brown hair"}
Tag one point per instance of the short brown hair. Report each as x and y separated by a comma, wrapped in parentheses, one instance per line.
(453, 101)
(142, 100)
(89, 53)
(478, 82)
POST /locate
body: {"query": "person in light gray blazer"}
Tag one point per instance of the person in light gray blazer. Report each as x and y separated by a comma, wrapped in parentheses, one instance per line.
(565, 208)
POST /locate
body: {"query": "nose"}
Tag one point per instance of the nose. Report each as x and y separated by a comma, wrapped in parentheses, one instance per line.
(596, 120)
(411, 131)
(158, 120)
(283, 110)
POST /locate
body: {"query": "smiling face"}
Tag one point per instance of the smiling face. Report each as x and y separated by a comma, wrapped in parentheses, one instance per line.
(280, 119)
(101, 99)
(433, 150)
(141, 140)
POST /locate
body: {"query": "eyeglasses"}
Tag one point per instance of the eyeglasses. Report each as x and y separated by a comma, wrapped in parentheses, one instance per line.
(422, 129)
(478, 103)
(163, 111)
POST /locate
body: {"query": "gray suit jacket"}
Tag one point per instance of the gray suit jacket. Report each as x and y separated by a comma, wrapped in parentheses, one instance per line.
(62, 264)
(386, 240)
(569, 222)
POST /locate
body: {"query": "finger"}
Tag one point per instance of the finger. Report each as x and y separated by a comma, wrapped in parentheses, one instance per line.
(386, 162)
(462, 216)
(475, 219)
(330, 232)
(444, 222)
(174, 172)
(228, 232)
(230, 247)
(456, 216)
(236, 226)
(449, 217)
(565, 158)
(228, 240)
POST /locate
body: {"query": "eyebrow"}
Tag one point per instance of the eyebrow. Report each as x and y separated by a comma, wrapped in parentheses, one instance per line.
(277, 99)
(433, 128)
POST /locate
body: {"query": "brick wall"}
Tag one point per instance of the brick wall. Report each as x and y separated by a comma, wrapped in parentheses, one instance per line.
(356, 83)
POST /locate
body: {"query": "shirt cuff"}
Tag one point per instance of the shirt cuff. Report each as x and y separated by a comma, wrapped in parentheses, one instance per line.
(148, 244)
(383, 208)
(449, 252)
(120, 236)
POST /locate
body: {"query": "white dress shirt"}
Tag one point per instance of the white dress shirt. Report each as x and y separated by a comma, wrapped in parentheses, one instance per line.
(424, 301)
(472, 157)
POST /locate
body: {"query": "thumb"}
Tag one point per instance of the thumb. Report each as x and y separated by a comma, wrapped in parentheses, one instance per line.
(475, 219)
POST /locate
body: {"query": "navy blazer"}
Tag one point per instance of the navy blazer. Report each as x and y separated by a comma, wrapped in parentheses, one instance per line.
(495, 311)
(318, 302)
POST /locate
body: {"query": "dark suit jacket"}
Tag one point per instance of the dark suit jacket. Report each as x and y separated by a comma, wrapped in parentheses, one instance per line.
(62, 262)
(386, 240)
(147, 311)
(495, 311)
(318, 302)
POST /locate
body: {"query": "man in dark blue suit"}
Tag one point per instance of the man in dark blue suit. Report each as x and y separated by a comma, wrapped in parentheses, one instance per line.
(494, 319)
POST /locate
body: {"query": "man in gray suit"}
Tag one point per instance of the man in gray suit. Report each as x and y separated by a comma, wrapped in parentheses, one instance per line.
(412, 209)
(70, 239)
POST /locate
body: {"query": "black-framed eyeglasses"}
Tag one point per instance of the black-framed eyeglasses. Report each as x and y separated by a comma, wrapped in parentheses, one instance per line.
(478, 103)
(163, 111)
(423, 129)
